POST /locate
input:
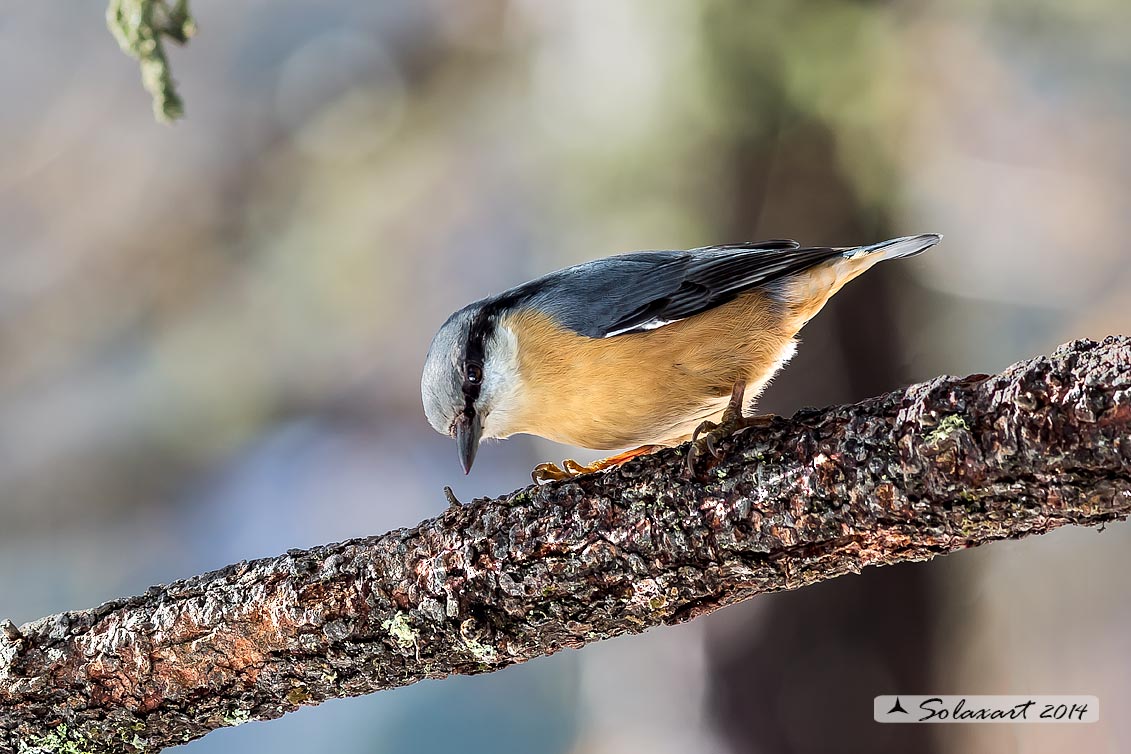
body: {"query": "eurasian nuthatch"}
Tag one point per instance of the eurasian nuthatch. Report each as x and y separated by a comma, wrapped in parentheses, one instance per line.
(633, 350)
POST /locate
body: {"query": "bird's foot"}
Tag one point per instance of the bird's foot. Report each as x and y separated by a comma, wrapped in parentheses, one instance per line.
(544, 473)
(551, 472)
(709, 433)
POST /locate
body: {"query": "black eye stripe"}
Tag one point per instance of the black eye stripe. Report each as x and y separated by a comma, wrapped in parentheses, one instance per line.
(482, 327)
(473, 357)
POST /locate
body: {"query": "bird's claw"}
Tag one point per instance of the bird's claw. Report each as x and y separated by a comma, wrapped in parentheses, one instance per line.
(707, 426)
(706, 429)
(544, 473)
(573, 468)
(708, 434)
(550, 472)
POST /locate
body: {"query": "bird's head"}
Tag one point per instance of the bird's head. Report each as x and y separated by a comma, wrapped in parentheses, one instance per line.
(471, 382)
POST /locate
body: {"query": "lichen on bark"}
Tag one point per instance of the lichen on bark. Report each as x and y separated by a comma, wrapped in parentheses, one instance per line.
(141, 26)
(941, 466)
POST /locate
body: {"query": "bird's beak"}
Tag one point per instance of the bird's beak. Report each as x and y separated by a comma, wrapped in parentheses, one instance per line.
(468, 431)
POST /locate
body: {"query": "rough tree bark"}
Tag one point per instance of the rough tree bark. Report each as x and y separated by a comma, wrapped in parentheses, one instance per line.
(938, 467)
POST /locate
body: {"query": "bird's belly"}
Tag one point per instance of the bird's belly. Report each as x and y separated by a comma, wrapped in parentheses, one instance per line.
(648, 388)
(631, 425)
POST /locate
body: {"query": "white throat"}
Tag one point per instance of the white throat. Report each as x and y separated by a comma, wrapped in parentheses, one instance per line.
(502, 383)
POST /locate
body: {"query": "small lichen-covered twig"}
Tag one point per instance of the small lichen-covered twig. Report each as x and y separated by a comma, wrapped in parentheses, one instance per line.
(941, 466)
(139, 26)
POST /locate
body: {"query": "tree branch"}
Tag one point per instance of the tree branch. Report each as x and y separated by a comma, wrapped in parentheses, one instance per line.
(941, 466)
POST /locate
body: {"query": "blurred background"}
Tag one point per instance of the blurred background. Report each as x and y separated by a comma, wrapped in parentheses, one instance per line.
(211, 333)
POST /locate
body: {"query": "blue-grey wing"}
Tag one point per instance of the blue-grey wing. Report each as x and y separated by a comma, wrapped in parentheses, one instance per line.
(646, 290)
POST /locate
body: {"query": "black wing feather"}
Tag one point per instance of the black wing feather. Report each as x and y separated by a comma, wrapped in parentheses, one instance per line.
(646, 290)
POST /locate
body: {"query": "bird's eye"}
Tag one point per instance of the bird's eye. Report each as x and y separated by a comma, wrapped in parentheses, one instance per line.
(474, 374)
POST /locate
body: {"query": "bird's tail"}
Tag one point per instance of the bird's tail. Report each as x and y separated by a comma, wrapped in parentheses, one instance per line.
(896, 248)
(808, 291)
